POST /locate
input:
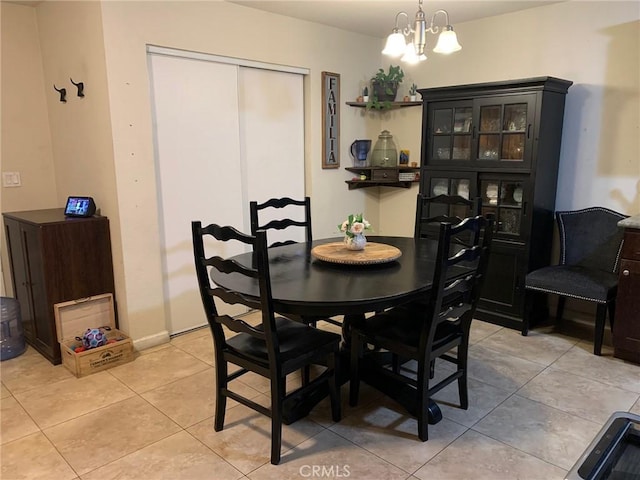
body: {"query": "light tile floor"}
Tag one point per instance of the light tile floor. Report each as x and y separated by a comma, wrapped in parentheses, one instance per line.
(535, 404)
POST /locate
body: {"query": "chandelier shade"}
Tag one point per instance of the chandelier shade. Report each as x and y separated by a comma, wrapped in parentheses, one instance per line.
(447, 42)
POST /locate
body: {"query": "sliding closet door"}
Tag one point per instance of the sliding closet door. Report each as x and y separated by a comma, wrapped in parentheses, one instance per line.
(224, 135)
(272, 129)
(198, 166)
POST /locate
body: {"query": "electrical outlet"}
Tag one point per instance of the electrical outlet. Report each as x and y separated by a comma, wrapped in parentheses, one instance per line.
(11, 179)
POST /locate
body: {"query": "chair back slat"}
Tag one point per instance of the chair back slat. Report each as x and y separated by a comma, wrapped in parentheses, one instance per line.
(240, 326)
(282, 224)
(279, 224)
(230, 266)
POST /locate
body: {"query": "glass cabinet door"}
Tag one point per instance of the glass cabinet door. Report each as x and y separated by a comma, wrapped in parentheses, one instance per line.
(450, 133)
(504, 130)
(505, 198)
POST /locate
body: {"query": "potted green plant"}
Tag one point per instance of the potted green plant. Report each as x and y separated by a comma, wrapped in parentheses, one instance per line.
(384, 87)
(413, 91)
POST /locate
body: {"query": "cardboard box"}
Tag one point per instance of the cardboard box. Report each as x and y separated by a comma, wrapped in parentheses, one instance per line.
(74, 318)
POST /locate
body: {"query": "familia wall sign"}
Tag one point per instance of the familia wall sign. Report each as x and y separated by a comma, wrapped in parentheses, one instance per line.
(330, 120)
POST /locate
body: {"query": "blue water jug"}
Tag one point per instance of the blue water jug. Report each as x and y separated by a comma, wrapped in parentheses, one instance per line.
(12, 341)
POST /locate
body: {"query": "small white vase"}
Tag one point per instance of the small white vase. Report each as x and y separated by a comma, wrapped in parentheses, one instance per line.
(357, 242)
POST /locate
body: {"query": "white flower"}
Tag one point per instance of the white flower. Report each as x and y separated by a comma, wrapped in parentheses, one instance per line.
(344, 226)
(357, 227)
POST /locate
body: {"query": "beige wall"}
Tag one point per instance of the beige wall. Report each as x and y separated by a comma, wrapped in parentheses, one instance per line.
(594, 44)
(25, 140)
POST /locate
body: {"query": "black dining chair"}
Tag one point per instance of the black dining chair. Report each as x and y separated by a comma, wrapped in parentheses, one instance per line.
(279, 208)
(590, 246)
(435, 327)
(273, 349)
(433, 210)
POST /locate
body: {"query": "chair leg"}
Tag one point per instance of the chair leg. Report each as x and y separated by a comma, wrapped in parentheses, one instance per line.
(560, 310)
(221, 399)
(601, 314)
(278, 392)
(354, 383)
(463, 392)
(333, 363)
(395, 363)
(528, 311)
(306, 374)
(423, 403)
(612, 313)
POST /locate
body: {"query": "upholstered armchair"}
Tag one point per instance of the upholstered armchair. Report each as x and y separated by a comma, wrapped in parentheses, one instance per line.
(590, 245)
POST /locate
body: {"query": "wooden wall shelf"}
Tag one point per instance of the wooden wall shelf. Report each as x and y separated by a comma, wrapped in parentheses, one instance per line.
(391, 105)
(383, 177)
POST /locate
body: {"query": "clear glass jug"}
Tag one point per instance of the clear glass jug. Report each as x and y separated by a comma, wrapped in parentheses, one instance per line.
(385, 153)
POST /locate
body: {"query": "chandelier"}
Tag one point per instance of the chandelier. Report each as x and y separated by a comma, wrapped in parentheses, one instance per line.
(413, 50)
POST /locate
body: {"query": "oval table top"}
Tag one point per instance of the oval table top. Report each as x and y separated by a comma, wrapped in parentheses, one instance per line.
(304, 285)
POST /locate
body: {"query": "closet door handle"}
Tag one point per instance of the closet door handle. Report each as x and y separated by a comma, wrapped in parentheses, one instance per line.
(529, 131)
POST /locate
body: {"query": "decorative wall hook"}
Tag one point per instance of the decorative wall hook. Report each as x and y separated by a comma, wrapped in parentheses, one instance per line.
(62, 92)
(80, 86)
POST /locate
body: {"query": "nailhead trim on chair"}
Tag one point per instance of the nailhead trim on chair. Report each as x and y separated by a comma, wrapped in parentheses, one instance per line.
(562, 237)
(563, 294)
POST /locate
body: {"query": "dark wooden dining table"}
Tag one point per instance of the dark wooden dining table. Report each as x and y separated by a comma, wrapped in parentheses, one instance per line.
(309, 288)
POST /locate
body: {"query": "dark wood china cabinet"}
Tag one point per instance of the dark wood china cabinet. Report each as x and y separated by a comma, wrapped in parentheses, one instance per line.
(499, 141)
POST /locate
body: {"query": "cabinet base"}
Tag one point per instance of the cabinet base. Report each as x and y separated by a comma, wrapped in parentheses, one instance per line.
(496, 318)
(628, 355)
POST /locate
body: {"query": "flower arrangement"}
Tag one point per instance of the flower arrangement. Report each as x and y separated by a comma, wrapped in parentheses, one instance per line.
(354, 225)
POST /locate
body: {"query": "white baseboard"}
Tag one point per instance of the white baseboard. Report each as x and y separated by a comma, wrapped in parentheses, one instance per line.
(159, 338)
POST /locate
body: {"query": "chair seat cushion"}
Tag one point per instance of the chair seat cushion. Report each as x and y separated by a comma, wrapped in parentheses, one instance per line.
(574, 281)
(296, 340)
(402, 325)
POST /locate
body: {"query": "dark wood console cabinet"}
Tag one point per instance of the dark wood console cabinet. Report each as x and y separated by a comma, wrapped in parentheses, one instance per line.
(626, 327)
(55, 259)
(501, 142)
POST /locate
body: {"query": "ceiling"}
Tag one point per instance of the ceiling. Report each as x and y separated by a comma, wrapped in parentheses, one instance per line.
(376, 17)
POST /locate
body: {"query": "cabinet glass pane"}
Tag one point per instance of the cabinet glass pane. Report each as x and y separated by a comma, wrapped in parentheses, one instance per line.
(489, 192)
(462, 147)
(439, 186)
(513, 147)
(511, 193)
(460, 186)
(509, 221)
(490, 118)
(462, 120)
(515, 117)
(489, 147)
(441, 148)
(442, 120)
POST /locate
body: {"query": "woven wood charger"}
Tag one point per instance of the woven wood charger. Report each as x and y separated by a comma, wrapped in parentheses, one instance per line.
(373, 253)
